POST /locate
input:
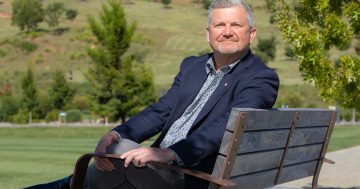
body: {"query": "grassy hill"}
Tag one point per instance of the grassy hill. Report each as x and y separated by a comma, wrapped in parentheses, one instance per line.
(164, 37)
(174, 33)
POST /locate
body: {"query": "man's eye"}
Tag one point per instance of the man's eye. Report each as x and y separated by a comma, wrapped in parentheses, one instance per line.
(237, 25)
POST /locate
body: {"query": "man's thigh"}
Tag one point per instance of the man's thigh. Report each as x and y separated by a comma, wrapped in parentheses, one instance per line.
(149, 177)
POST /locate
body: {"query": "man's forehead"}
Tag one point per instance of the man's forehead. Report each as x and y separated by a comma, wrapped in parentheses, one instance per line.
(236, 12)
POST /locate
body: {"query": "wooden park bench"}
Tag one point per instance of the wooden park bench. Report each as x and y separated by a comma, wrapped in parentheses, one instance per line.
(260, 149)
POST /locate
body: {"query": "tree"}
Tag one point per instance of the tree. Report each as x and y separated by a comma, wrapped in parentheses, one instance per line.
(120, 88)
(27, 14)
(289, 52)
(312, 28)
(206, 3)
(71, 14)
(53, 13)
(266, 49)
(28, 86)
(60, 92)
(166, 3)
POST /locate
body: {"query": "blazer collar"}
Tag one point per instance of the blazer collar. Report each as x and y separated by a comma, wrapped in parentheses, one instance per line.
(227, 82)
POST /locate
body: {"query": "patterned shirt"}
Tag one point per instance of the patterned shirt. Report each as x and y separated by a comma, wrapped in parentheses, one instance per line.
(180, 128)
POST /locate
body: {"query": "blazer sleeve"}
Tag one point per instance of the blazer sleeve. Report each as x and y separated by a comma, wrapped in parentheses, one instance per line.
(151, 120)
(258, 92)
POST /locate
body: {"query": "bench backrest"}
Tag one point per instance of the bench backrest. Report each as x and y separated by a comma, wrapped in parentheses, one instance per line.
(262, 148)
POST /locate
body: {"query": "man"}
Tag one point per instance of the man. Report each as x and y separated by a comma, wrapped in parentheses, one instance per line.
(191, 117)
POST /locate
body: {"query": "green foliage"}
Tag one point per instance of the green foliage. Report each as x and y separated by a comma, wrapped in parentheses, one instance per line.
(61, 92)
(266, 49)
(2, 53)
(53, 12)
(314, 27)
(206, 3)
(25, 46)
(9, 106)
(27, 14)
(293, 100)
(73, 115)
(357, 47)
(52, 115)
(71, 14)
(29, 92)
(20, 117)
(44, 106)
(80, 102)
(166, 2)
(289, 52)
(120, 88)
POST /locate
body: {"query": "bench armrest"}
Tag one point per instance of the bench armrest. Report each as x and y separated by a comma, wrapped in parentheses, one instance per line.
(328, 161)
(77, 181)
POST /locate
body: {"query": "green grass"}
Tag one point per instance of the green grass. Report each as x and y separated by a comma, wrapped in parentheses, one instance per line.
(344, 137)
(41, 154)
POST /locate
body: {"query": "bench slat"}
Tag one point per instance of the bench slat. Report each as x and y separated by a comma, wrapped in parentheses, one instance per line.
(271, 159)
(264, 120)
(308, 136)
(274, 139)
(303, 154)
(299, 171)
(265, 179)
(314, 118)
(263, 157)
(256, 181)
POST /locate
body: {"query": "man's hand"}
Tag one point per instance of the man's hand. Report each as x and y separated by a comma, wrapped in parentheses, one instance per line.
(141, 156)
(104, 164)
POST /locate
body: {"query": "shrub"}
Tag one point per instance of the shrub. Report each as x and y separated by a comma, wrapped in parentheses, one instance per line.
(53, 115)
(206, 3)
(27, 14)
(71, 14)
(2, 53)
(268, 47)
(357, 48)
(53, 13)
(73, 115)
(25, 46)
(20, 117)
(289, 52)
(80, 102)
(166, 3)
(9, 106)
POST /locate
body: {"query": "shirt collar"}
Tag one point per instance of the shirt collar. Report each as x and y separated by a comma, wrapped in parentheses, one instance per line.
(210, 67)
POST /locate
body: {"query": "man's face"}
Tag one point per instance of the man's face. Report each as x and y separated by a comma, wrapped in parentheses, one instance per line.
(229, 31)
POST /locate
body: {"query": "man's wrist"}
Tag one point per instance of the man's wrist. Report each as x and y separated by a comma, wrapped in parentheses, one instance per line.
(175, 158)
(114, 133)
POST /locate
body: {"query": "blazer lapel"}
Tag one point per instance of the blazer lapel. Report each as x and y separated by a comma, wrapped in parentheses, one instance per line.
(190, 88)
(226, 83)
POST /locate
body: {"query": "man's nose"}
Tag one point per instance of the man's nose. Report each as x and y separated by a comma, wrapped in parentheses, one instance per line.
(228, 31)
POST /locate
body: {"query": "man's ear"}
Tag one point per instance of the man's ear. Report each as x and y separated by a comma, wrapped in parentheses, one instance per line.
(207, 35)
(252, 34)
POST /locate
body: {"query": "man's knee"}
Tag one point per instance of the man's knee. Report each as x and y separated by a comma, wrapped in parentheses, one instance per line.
(96, 179)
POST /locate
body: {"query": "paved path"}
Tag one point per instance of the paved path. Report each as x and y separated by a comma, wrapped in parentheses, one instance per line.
(344, 174)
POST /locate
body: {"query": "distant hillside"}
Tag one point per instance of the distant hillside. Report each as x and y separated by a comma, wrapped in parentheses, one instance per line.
(170, 35)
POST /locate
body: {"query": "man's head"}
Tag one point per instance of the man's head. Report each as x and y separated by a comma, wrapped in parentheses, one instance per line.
(230, 26)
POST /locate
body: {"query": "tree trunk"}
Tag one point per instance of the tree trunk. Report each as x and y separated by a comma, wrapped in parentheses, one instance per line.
(123, 118)
(30, 117)
(106, 121)
(353, 119)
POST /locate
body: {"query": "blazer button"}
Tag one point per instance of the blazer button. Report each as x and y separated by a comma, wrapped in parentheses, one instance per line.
(225, 84)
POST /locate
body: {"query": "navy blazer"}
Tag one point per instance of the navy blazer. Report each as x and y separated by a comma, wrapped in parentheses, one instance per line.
(250, 84)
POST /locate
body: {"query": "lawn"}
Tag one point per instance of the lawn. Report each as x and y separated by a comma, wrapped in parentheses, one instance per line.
(40, 154)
